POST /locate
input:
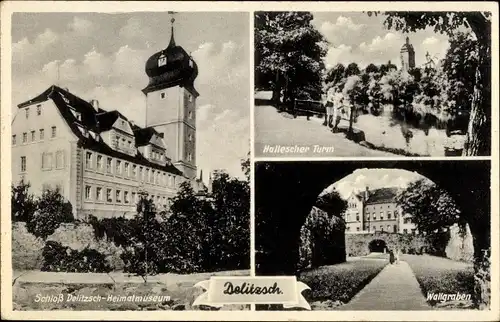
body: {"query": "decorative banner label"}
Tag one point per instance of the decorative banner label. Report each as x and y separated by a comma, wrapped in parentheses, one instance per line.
(222, 290)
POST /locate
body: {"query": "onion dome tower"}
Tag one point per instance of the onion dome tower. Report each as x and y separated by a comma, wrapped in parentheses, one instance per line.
(407, 56)
(171, 103)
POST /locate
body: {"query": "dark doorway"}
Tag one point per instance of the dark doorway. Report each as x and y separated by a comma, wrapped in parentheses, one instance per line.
(377, 246)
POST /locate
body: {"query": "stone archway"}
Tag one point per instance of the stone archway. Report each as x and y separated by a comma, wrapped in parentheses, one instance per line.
(285, 192)
(377, 246)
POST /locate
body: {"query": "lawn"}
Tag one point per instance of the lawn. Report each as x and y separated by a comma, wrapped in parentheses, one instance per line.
(339, 283)
(442, 275)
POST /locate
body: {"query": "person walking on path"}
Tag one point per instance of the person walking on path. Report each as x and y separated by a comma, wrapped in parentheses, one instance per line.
(337, 105)
(391, 257)
(330, 107)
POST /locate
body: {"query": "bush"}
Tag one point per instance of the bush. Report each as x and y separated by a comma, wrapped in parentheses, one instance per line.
(26, 248)
(80, 236)
(52, 211)
(58, 258)
(23, 204)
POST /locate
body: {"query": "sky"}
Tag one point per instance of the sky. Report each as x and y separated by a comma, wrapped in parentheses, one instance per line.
(356, 37)
(373, 179)
(102, 56)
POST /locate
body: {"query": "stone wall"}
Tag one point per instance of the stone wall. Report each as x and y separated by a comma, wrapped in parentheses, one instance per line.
(357, 244)
(460, 247)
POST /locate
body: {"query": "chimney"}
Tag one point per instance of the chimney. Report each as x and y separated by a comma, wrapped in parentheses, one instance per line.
(201, 175)
(95, 105)
(366, 193)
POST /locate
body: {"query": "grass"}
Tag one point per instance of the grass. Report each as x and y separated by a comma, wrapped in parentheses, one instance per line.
(441, 275)
(342, 281)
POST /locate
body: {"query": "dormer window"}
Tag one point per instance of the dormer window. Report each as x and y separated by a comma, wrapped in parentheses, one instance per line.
(162, 95)
(39, 109)
(162, 61)
(27, 112)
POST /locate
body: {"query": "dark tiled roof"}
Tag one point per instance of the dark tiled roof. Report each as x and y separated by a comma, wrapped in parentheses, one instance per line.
(107, 119)
(382, 195)
(143, 135)
(89, 120)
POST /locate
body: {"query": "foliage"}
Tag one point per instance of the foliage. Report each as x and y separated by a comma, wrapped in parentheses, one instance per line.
(321, 239)
(23, 203)
(332, 203)
(478, 140)
(58, 258)
(288, 54)
(432, 208)
(52, 211)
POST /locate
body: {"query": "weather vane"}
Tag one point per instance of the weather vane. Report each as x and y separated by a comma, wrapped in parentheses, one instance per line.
(172, 13)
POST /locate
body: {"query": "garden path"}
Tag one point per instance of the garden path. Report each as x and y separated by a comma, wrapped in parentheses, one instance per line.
(394, 288)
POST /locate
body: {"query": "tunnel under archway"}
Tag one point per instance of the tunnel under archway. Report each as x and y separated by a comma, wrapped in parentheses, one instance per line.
(377, 246)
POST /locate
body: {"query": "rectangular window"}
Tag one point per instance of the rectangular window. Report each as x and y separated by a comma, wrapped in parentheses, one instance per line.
(381, 228)
(99, 162)
(59, 159)
(39, 109)
(109, 162)
(118, 196)
(23, 164)
(374, 216)
(14, 139)
(134, 197)
(148, 175)
(381, 215)
(141, 173)
(388, 227)
(357, 228)
(134, 171)
(25, 137)
(109, 195)
(118, 167)
(162, 95)
(374, 228)
(88, 160)
(87, 192)
(46, 161)
(127, 169)
(42, 134)
(388, 215)
(32, 136)
(126, 197)
(54, 131)
(27, 112)
(99, 193)
(395, 228)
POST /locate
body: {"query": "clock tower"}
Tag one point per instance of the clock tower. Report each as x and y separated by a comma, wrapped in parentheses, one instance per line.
(171, 103)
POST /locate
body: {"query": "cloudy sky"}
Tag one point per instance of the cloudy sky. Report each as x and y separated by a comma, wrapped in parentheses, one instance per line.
(373, 179)
(356, 37)
(102, 56)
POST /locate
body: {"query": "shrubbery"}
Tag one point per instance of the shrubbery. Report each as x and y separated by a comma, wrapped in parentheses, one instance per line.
(58, 258)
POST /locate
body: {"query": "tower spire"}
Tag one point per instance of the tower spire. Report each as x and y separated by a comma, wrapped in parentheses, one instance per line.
(172, 20)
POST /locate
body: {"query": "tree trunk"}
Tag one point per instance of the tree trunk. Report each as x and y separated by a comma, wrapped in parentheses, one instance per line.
(351, 116)
(276, 90)
(478, 140)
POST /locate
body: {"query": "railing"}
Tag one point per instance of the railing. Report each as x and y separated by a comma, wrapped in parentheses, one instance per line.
(308, 107)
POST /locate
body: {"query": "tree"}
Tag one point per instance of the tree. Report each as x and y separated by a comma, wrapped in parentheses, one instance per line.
(335, 75)
(387, 68)
(52, 211)
(478, 141)
(431, 208)
(351, 70)
(352, 90)
(371, 68)
(288, 46)
(231, 233)
(23, 204)
(332, 203)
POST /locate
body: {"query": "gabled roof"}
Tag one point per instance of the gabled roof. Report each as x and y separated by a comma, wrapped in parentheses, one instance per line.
(143, 135)
(382, 195)
(90, 120)
(107, 119)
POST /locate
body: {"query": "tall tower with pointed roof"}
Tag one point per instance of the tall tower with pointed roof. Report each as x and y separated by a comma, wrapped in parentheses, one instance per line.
(171, 103)
(407, 55)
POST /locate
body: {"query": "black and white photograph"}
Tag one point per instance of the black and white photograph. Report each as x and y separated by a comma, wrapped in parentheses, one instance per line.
(130, 158)
(377, 235)
(372, 84)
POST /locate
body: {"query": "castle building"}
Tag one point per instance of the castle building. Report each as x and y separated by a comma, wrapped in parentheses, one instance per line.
(100, 160)
(376, 211)
(407, 54)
